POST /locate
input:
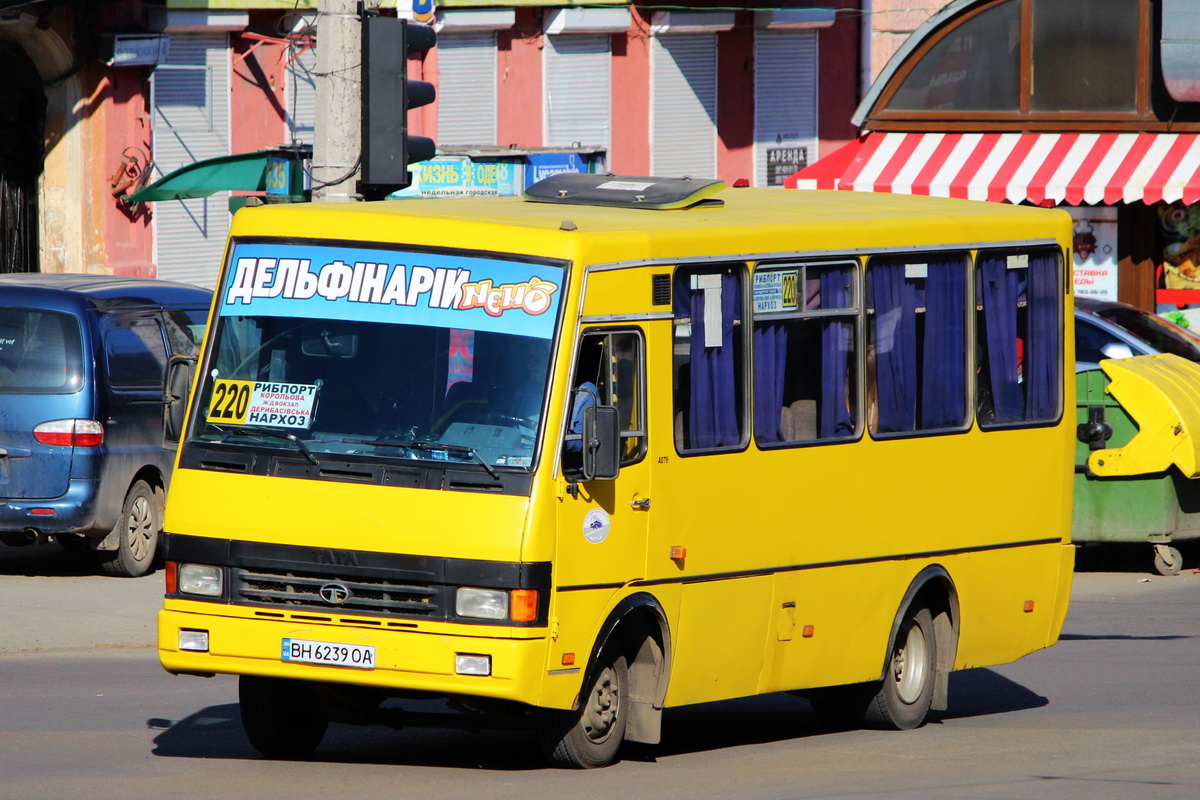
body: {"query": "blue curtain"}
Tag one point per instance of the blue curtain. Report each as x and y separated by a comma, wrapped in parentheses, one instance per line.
(943, 386)
(770, 360)
(833, 416)
(895, 342)
(713, 410)
(1001, 289)
(1041, 353)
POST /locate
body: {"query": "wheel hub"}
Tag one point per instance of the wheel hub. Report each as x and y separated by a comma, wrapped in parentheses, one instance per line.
(603, 708)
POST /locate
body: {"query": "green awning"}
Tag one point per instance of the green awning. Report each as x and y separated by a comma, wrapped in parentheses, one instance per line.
(244, 172)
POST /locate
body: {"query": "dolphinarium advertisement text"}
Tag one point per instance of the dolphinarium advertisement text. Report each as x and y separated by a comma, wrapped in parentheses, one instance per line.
(435, 289)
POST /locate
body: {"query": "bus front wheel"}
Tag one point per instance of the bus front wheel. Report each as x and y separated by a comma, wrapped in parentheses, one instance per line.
(906, 691)
(590, 736)
(282, 718)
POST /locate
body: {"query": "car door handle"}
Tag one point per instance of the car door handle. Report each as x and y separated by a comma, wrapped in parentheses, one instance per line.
(643, 504)
(15, 452)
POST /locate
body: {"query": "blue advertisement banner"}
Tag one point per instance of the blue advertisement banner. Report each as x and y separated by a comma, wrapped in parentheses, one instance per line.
(357, 283)
(543, 165)
(462, 177)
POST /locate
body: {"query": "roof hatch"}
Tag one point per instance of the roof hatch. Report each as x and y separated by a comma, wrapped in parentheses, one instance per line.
(621, 191)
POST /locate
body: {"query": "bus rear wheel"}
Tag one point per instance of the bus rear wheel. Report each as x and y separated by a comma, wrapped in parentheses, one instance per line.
(590, 736)
(906, 691)
(282, 718)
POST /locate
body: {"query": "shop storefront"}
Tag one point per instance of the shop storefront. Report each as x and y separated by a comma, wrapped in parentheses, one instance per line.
(1050, 103)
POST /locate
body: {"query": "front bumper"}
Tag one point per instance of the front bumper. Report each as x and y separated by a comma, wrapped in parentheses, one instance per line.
(420, 657)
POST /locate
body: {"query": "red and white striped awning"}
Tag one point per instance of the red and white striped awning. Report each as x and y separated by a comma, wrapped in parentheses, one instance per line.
(1041, 168)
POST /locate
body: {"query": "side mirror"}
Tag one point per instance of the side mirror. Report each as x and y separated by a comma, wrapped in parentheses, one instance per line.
(601, 443)
(175, 395)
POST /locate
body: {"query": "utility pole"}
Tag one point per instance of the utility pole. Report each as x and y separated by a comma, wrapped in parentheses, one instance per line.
(337, 143)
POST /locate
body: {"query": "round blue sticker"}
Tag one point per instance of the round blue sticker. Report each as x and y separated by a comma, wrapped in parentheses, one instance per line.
(422, 10)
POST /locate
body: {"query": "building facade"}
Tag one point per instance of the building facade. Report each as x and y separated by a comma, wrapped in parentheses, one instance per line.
(109, 96)
(1091, 107)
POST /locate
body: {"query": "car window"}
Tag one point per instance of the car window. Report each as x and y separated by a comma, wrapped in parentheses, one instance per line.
(1090, 340)
(41, 352)
(1164, 336)
(185, 329)
(136, 354)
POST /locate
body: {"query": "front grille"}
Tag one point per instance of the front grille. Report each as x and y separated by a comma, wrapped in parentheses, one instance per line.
(365, 596)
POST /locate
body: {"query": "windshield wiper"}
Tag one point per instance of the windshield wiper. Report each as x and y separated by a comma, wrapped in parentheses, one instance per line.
(452, 448)
(271, 433)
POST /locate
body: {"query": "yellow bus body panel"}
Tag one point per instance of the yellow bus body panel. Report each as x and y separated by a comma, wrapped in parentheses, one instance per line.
(797, 559)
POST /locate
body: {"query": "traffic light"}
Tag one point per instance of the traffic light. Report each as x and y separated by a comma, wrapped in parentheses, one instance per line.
(387, 97)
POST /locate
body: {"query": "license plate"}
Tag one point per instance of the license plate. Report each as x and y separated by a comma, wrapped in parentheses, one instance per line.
(307, 651)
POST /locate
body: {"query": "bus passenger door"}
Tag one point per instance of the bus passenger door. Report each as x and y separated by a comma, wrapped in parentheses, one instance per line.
(603, 523)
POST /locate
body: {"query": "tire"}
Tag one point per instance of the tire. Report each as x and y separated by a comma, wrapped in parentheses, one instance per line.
(282, 718)
(591, 736)
(139, 528)
(906, 691)
(1167, 560)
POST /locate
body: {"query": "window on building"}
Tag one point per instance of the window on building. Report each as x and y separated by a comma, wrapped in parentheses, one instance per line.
(578, 79)
(466, 88)
(709, 358)
(805, 353)
(1019, 297)
(684, 113)
(1008, 61)
(785, 104)
(1085, 55)
(975, 67)
(917, 343)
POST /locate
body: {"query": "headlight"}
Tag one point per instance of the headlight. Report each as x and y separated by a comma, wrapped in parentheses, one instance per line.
(481, 603)
(201, 579)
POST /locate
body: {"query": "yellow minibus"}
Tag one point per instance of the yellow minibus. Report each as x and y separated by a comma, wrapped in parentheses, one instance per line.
(619, 445)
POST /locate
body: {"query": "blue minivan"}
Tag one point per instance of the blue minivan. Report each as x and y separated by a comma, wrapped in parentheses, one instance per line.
(86, 445)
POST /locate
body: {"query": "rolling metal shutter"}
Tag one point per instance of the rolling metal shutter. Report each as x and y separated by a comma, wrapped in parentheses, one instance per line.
(578, 77)
(683, 134)
(785, 103)
(466, 88)
(190, 98)
(301, 90)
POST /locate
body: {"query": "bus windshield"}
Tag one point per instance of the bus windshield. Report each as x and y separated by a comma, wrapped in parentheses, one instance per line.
(393, 355)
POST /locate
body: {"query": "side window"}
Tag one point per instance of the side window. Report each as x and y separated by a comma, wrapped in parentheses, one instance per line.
(805, 353)
(136, 355)
(1090, 341)
(917, 343)
(1019, 304)
(709, 355)
(185, 330)
(610, 370)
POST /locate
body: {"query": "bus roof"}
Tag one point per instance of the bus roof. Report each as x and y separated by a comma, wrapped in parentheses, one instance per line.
(747, 221)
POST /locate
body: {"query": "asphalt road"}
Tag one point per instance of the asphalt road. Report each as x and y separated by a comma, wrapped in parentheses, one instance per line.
(1109, 712)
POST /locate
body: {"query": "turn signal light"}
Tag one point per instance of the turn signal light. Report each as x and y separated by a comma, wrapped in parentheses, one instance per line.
(1028, 606)
(523, 605)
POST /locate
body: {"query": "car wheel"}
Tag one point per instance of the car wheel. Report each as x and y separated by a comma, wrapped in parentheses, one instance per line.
(138, 530)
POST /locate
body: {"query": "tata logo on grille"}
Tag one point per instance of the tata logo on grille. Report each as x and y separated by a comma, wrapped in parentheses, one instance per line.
(335, 593)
